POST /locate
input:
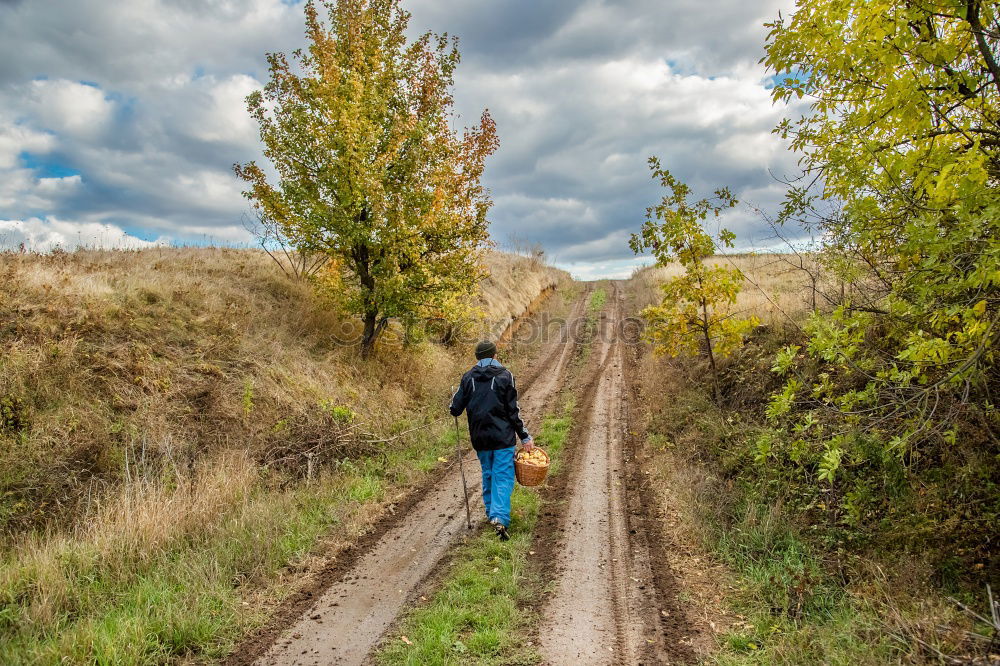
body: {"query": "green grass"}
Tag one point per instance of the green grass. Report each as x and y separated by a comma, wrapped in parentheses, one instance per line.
(795, 612)
(793, 607)
(477, 615)
(553, 434)
(597, 299)
(570, 292)
(100, 601)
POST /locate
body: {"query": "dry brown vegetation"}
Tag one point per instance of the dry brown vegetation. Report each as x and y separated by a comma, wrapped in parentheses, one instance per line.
(514, 283)
(160, 410)
(778, 288)
(173, 354)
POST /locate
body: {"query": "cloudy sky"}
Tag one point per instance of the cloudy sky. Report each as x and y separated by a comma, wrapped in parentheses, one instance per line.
(120, 121)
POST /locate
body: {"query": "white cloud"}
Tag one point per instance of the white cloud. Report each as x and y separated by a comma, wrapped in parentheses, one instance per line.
(15, 139)
(20, 188)
(134, 113)
(76, 110)
(590, 129)
(37, 235)
(16, 188)
(212, 190)
(223, 116)
(145, 101)
(58, 186)
(610, 269)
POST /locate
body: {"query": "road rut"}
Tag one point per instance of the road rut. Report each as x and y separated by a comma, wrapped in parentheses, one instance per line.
(604, 608)
(351, 615)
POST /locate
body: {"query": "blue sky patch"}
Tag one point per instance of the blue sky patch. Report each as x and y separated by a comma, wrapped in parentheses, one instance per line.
(775, 80)
(45, 168)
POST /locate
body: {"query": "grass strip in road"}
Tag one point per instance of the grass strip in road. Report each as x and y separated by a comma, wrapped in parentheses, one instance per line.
(477, 616)
(597, 299)
(181, 571)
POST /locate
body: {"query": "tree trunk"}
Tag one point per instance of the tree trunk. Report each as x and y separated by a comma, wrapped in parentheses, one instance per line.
(370, 334)
(711, 355)
(705, 328)
(361, 257)
(448, 337)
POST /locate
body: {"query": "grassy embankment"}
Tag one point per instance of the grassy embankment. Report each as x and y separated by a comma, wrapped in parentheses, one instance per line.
(800, 596)
(185, 442)
(479, 614)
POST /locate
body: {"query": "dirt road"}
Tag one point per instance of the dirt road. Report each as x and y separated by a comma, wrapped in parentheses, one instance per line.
(613, 599)
(605, 607)
(350, 616)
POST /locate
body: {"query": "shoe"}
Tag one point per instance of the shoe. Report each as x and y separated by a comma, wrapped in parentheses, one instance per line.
(501, 530)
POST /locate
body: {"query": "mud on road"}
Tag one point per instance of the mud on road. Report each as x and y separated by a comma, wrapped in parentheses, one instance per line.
(346, 612)
(614, 599)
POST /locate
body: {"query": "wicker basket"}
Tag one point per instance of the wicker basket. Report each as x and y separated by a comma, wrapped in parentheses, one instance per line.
(531, 475)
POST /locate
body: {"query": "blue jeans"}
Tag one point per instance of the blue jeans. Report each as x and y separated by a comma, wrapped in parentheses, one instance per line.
(498, 482)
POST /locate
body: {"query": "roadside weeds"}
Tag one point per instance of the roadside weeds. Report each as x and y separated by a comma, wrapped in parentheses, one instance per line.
(766, 592)
(131, 586)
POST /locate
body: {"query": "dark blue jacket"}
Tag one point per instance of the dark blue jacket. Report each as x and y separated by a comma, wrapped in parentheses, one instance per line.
(489, 398)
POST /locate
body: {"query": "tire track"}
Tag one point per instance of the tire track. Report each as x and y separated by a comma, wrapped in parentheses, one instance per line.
(605, 605)
(357, 607)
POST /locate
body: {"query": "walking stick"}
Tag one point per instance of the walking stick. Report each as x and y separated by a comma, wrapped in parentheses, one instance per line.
(461, 466)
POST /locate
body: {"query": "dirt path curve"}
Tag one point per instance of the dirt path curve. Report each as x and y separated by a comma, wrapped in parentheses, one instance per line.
(604, 607)
(351, 615)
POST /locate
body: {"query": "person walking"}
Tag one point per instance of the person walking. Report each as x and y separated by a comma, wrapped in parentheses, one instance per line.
(488, 395)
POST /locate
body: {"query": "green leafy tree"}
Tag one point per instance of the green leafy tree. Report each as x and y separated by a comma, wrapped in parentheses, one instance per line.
(696, 313)
(369, 171)
(904, 133)
(895, 390)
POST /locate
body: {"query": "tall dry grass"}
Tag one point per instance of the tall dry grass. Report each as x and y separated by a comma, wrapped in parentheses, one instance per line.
(161, 410)
(514, 282)
(777, 289)
(124, 532)
(167, 571)
(181, 353)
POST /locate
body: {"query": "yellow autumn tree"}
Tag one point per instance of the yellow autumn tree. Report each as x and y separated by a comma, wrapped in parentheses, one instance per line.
(696, 314)
(358, 128)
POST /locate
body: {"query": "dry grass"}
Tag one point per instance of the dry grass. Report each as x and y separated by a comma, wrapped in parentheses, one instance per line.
(180, 353)
(515, 282)
(162, 571)
(777, 289)
(126, 531)
(175, 353)
(157, 408)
